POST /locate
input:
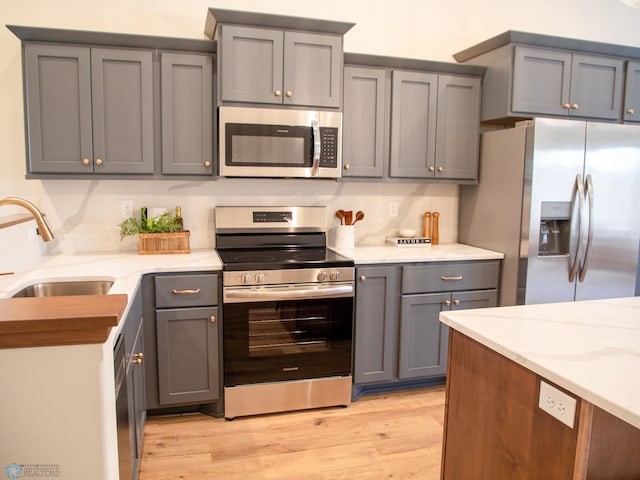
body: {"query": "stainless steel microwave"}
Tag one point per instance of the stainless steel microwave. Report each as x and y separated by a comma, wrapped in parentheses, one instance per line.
(268, 142)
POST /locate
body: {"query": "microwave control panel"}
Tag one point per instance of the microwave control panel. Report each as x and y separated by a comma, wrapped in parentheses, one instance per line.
(328, 147)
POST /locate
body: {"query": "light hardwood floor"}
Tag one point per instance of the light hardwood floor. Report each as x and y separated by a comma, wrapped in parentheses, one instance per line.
(394, 435)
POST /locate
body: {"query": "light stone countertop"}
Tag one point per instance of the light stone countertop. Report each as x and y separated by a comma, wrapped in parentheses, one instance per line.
(590, 348)
(434, 253)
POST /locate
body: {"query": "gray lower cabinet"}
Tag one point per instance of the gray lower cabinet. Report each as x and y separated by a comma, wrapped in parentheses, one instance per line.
(183, 358)
(398, 334)
(89, 110)
(186, 97)
(130, 442)
(364, 119)
(261, 65)
(376, 323)
(557, 82)
(632, 93)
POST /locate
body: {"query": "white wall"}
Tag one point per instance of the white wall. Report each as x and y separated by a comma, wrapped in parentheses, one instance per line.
(84, 213)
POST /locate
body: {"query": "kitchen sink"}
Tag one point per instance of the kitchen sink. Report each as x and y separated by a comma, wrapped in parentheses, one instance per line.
(57, 289)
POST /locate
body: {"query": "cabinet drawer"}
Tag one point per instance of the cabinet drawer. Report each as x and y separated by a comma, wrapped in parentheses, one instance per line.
(450, 276)
(186, 290)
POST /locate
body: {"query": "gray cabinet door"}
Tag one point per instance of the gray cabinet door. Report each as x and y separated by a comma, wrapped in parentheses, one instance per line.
(187, 113)
(375, 324)
(122, 105)
(413, 124)
(363, 153)
(458, 124)
(541, 81)
(251, 64)
(423, 339)
(312, 69)
(187, 341)
(58, 108)
(632, 93)
(596, 86)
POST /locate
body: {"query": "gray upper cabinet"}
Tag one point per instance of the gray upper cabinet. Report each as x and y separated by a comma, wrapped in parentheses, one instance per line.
(457, 127)
(435, 122)
(363, 144)
(187, 114)
(89, 110)
(531, 75)
(414, 100)
(556, 82)
(262, 65)
(632, 93)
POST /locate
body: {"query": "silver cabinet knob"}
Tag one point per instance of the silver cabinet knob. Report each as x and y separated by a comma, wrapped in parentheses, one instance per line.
(446, 303)
(277, 93)
(98, 161)
(289, 93)
(362, 278)
(212, 319)
(137, 358)
(575, 106)
(207, 164)
(347, 166)
(440, 168)
(432, 168)
(630, 111)
(86, 161)
(456, 302)
(566, 106)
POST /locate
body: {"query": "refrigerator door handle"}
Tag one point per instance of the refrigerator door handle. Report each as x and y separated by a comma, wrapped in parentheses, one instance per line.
(584, 262)
(578, 191)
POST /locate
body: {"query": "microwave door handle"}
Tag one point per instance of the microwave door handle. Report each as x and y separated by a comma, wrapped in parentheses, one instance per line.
(316, 147)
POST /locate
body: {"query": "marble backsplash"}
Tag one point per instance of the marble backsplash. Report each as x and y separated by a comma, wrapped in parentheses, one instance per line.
(84, 214)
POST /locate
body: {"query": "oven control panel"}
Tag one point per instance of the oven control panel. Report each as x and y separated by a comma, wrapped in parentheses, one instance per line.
(290, 276)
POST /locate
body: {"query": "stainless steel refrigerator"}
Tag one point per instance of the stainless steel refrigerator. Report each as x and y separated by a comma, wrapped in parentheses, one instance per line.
(561, 199)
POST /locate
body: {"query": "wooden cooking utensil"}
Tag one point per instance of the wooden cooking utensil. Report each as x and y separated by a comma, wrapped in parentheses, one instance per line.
(340, 214)
(359, 216)
(348, 217)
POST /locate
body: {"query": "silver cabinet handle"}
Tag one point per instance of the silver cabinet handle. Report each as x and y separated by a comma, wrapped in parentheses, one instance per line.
(186, 292)
(451, 278)
(362, 278)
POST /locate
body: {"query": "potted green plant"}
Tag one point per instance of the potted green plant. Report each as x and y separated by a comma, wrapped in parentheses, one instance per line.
(161, 234)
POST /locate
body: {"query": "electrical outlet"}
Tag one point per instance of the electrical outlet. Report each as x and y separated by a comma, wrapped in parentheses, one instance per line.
(126, 209)
(557, 404)
(393, 208)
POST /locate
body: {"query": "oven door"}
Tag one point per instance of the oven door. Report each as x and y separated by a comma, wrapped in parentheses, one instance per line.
(287, 339)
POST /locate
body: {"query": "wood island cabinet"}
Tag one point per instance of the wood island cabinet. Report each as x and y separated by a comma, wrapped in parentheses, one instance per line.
(262, 65)
(88, 110)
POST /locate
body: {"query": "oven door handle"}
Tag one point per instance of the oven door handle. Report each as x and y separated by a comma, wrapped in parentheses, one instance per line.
(243, 295)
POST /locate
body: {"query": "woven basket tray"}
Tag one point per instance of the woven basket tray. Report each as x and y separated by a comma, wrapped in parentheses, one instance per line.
(155, 243)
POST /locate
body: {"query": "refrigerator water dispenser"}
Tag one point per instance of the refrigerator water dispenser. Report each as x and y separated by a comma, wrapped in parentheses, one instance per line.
(555, 229)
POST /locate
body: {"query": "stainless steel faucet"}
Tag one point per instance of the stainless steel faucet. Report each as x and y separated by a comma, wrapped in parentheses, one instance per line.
(43, 229)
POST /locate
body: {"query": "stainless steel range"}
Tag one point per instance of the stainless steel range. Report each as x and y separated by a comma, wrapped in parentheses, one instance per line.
(287, 311)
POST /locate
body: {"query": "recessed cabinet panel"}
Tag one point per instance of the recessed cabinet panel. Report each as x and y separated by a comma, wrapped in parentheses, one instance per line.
(312, 69)
(632, 93)
(541, 80)
(251, 64)
(413, 124)
(122, 100)
(458, 124)
(596, 86)
(187, 114)
(58, 91)
(364, 115)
